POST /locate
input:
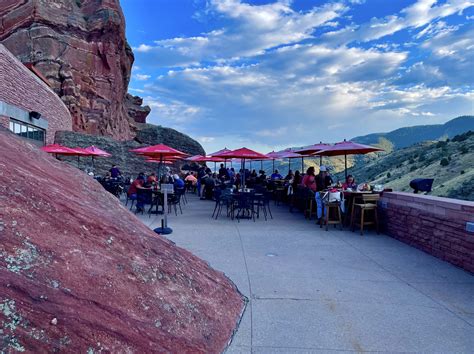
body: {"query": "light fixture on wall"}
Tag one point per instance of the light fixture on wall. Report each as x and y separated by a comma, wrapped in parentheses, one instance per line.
(35, 115)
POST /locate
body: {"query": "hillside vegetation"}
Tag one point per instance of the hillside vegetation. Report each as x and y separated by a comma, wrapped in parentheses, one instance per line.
(449, 162)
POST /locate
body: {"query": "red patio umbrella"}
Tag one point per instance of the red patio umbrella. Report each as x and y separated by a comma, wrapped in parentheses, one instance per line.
(61, 150)
(347, 148)
(97, 152)
(159, 152)
(217, 154)
(243, 154)
(311, 149)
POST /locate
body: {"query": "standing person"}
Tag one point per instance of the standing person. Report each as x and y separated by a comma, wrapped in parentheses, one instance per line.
(115, 172)
(200, 175)
(309, 179)
(323, 181)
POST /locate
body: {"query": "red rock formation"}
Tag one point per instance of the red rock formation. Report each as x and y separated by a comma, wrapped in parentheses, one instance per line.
(80, 273)
(80, 46)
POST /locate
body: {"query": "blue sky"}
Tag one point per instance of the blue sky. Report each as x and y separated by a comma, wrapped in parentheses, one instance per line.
(270, 74)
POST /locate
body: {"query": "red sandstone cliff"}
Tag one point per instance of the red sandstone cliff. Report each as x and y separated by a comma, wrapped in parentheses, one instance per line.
(80, 273)
(80, 46)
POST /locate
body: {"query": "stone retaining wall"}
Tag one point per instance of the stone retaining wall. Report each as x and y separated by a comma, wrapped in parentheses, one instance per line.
(435, 225)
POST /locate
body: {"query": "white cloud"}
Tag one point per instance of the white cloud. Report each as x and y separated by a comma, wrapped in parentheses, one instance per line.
(254, 30)
(419, 14)
(141, 77)
(271, 80)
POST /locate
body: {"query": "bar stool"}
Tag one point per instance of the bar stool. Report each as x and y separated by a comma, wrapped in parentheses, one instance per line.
(337, 219)
(367, 202)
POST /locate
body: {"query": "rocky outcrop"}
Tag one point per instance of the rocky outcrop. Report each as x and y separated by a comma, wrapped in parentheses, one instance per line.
(129, 163)
(82, 274)
(80, 47)
(135, 108)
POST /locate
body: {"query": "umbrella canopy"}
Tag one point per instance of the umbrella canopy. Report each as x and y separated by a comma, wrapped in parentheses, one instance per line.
(194, 158)
(85, 152)
(244, 154)
(95, 151)
(62, 150)
(209, 159)
(347, 148)
(159, 150)
(311, 149)
(158, 161)
(219, 152)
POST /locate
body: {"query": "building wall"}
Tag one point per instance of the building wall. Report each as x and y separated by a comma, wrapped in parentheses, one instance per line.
(23, 92)
(435, 225)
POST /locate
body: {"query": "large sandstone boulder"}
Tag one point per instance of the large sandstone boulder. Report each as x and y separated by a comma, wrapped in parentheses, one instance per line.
(80, 46)
(129, 163)
(80, 273)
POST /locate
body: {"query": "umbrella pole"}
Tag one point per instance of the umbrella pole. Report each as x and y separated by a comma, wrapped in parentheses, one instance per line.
(273, 169)
(215, 166)
(320, 160)
(345, 164)
(78, 161)
(250, 165)
(289, 165)
(302, 164)
(261, 164)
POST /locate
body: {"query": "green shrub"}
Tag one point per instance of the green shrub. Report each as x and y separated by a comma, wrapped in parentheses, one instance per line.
(413, 168)
(463, 149)
(441, 144)
(462, 172)
(411, 161)
(389, 175)
(444, 162)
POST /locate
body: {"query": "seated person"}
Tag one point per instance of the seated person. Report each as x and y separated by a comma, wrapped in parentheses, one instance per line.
(253, 174)
(191, 179)
(223, 174)
(138, 183)
(350, 183)
(289, 176)
(209, 184)
(309, 179)
(323, 179)
(151, 179)
(107, 177)
(177, 182)
(115, 172)
(276, 176)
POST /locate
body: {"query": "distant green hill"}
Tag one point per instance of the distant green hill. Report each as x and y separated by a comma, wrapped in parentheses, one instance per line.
(407, 136)
(450, 163)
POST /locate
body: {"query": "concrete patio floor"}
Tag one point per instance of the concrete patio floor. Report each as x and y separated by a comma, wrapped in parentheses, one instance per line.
(312, 291)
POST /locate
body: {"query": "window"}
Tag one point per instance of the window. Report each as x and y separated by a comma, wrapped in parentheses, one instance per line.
(27, 131)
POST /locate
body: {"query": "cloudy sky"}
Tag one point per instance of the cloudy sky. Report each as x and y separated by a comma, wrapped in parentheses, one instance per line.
(270, 74)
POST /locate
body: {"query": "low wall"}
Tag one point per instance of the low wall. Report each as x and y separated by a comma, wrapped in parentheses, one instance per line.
(435, 225)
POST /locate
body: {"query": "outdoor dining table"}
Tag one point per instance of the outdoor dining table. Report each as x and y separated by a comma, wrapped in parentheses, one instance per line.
(157, 200)
(351, 197)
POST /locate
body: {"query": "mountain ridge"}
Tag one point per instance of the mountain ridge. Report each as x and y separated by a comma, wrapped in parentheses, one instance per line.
(407, 136)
